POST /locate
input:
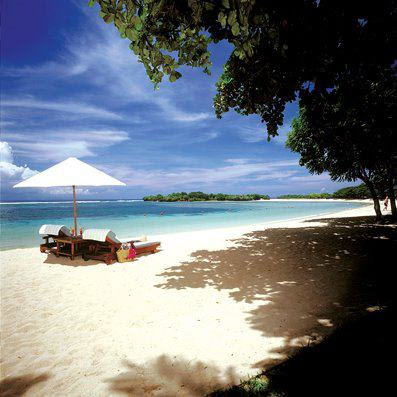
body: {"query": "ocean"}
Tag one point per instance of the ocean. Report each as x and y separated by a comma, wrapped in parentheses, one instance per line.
(20, 222)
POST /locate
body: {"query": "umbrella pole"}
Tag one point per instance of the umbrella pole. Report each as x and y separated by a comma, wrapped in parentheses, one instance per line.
(74, 210)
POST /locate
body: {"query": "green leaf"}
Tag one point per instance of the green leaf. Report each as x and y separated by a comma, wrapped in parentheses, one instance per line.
(168, 59)
(231, 19)
(118, 22)
(222, 19)
(131, 34)
(108, 18)
(235, 29)
(239, 53)
(175, 76)
(91, 3)
(225, 3)
(136, 21)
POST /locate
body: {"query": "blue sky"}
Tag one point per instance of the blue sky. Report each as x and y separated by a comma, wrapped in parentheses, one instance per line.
(71, 87)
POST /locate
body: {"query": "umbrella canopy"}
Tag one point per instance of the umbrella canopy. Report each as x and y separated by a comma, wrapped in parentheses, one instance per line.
(70, 172)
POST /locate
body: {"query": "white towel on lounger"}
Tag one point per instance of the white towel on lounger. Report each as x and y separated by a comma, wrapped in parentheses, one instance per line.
(54, 230)
(100, 235)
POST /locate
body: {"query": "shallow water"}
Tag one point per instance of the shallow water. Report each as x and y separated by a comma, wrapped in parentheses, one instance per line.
(20, 222)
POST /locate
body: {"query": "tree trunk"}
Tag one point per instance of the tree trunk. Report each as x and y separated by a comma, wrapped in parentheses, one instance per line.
(392, 198)
(375, 198)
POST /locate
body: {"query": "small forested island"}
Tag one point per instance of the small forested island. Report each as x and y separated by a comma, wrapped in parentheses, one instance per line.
(200, 196)
(347, 193)
(306, 196)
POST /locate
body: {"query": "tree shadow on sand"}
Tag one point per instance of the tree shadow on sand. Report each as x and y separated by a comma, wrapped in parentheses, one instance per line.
(305, 281)
(18, 385)
(171, 377)
(65, 261)
(350, 362)
(79, 261)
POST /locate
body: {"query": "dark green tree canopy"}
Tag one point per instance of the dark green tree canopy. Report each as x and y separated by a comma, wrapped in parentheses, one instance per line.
(280, 47)
(349, 131)
(353, 192)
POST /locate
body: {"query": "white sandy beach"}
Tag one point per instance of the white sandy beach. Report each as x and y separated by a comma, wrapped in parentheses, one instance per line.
(75, 328)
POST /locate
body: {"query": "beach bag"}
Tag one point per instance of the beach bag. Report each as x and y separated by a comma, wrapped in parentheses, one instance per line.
(126, 254)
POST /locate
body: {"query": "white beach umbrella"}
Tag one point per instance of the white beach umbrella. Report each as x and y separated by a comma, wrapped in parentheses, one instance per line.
(71, 172)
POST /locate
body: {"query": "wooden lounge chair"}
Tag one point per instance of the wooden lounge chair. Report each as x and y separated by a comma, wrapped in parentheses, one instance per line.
(49, 232)
(103, 245)
(60, 242)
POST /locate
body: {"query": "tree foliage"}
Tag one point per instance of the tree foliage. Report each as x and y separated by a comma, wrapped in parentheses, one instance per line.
(349, 131)
(347, 193)
(280, 48)
(353, 192)
(306, 196)
(200, 196)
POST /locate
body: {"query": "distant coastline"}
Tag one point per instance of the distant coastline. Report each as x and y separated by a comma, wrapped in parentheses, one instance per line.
(359, 192)
(349, 193)
(200, 196)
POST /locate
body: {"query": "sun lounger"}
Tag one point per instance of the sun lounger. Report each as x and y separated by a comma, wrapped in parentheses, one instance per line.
(50, 232)
(103, 245)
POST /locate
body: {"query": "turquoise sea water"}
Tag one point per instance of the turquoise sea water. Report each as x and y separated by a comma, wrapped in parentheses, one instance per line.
(20, 222)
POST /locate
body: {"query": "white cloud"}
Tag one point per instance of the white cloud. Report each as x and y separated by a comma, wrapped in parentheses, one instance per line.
(259, 133)
(82, 109)
(283, 133)
(180, 177)
(56, 145)
(48, 150)
(6, 123)
(252, 134)
(6, 153)
(104, 60)
(237, 161)
(13, 172)
(186, 137)
(10, 171)
(312, 178)
(177, 114)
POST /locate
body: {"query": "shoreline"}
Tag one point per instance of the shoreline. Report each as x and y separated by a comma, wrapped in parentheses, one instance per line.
(81, 326)
(364, 201)
(240, 228)
(234, 232)
(204, 201)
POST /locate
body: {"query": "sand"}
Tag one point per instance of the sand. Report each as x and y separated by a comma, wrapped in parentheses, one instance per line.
(209, 309)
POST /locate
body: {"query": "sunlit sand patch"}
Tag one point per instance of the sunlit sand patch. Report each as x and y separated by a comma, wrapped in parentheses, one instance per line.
(374, 308)
(286, 282)
(325, 321)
